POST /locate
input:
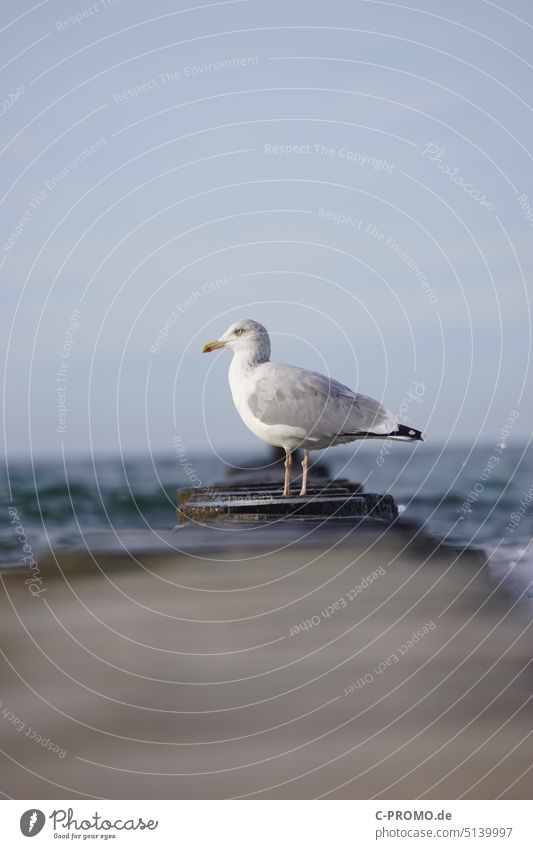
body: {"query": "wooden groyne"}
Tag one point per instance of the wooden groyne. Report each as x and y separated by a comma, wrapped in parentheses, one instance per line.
(244, 501)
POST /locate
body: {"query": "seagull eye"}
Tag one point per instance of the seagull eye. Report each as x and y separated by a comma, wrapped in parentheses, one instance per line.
(239, 331)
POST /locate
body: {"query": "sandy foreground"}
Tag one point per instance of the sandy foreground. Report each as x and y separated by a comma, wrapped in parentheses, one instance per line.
(250, 673)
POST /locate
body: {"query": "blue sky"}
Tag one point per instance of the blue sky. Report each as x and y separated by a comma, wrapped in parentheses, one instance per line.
(354, 175)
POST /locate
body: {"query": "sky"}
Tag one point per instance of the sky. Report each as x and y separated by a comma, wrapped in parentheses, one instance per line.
(357, 176)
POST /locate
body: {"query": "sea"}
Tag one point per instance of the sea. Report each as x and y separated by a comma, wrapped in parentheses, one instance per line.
(479, 496)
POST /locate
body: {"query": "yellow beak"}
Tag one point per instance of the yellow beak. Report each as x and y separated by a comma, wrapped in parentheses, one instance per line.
(212, 346)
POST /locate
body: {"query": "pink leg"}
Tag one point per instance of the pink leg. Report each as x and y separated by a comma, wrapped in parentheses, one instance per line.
(288, 464)
(305, 466)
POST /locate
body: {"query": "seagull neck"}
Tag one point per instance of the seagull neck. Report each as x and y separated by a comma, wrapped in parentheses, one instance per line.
(247, 360)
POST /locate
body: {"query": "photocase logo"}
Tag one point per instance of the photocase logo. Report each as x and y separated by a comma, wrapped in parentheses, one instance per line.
(32, 822)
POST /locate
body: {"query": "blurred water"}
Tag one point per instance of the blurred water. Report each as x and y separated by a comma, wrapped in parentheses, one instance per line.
(457, 493)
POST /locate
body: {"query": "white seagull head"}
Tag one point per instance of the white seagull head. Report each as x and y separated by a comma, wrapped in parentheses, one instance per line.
(244, 337)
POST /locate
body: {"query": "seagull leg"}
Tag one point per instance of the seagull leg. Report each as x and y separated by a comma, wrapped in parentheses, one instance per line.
(288, 464)
(305, 466)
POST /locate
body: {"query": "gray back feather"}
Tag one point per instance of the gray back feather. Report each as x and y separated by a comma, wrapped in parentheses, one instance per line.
(287, 395)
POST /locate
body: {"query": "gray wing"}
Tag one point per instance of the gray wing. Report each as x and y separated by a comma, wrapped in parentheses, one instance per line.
(287, 395)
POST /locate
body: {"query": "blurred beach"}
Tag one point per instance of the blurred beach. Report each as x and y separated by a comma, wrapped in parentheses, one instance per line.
(290, 660)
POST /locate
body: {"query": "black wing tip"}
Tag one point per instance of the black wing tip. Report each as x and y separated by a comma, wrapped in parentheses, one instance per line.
(408, 433)
(402, 432)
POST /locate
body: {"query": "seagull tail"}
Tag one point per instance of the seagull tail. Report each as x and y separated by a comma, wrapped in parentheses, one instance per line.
(408, 434)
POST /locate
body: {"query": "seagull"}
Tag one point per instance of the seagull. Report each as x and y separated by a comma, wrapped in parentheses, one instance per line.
(292, 407)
